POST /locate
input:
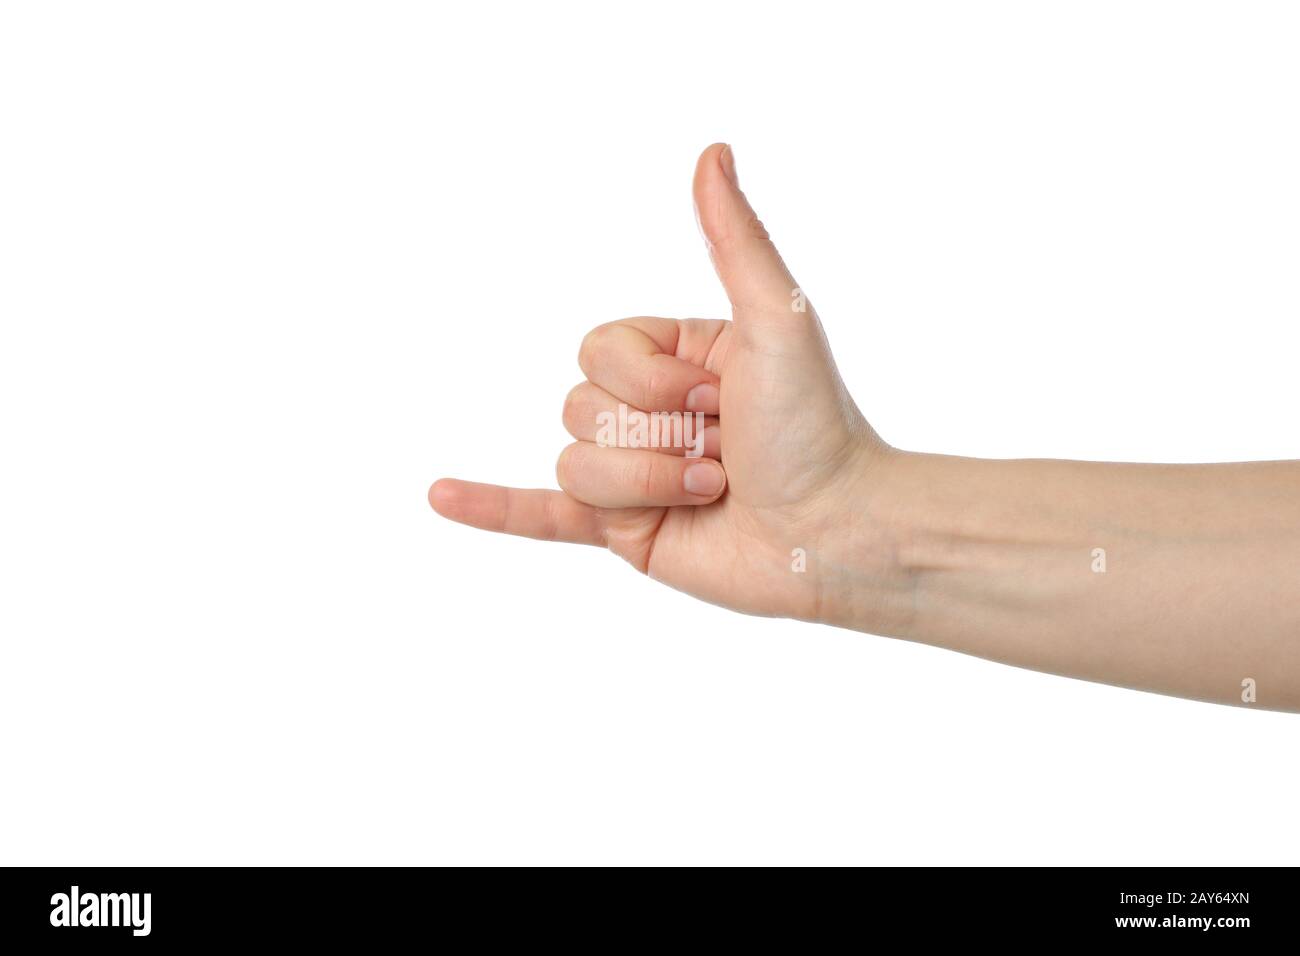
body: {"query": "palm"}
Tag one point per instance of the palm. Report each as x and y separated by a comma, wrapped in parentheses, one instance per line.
(781, 452)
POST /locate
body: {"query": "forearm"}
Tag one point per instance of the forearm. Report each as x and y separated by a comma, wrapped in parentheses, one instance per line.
(1183, 579)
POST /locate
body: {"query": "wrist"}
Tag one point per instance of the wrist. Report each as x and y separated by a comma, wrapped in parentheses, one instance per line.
(869, 572)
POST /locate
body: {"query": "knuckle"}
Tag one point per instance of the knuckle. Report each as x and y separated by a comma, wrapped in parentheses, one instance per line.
(646, 477)
(657, 383)
(565, 467)
(593, 343)
(754, 228)
(574, 406)
(550, 529)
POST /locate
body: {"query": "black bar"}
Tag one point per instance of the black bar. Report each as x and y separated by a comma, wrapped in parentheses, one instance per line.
(384, 907)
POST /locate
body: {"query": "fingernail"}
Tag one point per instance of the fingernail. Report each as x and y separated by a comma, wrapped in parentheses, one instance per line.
(704, 479)
(728, 161)
(703, 398)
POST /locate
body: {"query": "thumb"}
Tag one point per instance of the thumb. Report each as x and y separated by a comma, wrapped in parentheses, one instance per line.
(792, 355)
(752, 271)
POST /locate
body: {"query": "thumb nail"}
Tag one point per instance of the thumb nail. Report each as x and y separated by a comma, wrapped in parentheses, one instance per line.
(727, 159)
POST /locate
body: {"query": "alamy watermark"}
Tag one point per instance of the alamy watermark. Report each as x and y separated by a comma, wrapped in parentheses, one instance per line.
(75, 908)
(631, 428)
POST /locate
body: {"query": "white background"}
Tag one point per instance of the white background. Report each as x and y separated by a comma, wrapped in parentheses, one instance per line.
(267, 270)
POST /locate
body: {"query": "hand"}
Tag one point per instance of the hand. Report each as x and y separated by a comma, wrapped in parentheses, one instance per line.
(789, 460)
(799, 509)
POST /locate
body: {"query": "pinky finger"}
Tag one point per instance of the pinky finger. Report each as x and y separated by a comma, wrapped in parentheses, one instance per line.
(532, 513)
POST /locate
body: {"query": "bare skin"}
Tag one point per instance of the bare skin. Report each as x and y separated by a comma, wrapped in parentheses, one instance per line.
(1200, 591)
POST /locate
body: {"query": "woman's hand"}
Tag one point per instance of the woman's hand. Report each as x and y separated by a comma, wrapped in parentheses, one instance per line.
(1176, 578)
(779, 516)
